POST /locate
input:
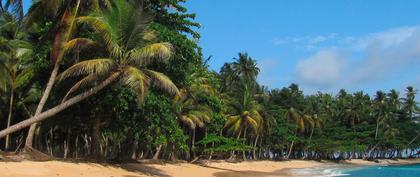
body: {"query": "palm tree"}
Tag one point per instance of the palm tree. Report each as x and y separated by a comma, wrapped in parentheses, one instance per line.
(243, 70)
(409, 103)
(131, 50)
(244, 114)
(245, 67)
(66, 12)
(303, 122)
(192, 114)
(15, 55)
(379, 110)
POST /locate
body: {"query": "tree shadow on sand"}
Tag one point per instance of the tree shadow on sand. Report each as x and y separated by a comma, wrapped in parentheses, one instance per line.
(143, 169)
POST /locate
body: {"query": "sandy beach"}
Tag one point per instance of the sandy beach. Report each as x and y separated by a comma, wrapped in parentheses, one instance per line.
(209, 169)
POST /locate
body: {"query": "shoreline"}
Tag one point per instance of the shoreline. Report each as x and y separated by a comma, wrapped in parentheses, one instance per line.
(215, 168)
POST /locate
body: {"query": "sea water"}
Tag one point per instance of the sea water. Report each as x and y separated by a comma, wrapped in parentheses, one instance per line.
(351, 171)
(385, 171)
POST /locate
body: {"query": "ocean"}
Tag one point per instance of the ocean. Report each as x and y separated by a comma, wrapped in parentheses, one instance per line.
(370, 171)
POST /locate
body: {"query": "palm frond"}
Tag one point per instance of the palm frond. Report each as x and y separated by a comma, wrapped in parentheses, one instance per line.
(101, 27)
(24, 77)
(253, 123)
(231, 121)
(96, 66)
(88, 80)
(157, 52)
(187, 121)
(137, 81)
(162, 81)
(77, 43)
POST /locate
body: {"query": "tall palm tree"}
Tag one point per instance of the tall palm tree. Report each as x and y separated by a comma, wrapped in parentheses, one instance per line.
(15, 55)
(245, 67)
(66, 12)
(130, 52)
(243, 70)
(244, 114)
(409, 102)
(380, 112)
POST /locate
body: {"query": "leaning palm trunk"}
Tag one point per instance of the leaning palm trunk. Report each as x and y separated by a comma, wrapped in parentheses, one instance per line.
(56, 57)
(45, 95)
(51, 112)
(9, 119)
(290, 149)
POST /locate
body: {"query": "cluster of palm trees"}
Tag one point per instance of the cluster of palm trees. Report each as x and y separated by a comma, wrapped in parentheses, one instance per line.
(90, 64)
(128, 48)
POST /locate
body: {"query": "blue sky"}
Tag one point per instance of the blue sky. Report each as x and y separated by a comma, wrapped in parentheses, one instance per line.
(322, 45)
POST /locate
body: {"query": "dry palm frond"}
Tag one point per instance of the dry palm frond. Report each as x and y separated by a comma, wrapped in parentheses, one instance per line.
(96, 66)
(77, 44)
(162, 81)
(146, 55)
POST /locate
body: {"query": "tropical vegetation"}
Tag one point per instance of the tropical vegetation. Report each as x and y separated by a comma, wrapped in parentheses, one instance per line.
(126, 79)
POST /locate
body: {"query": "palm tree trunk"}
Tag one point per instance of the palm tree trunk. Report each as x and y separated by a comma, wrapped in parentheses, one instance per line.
(377, 128)
(414, 139)
(193, 144)
(56, 58)
(232, 153)
(96, 125)
(243, 152)
(156, 156)
(255, 147)
(44, 98)
(51, 112)
(9, 119)
(291, 147)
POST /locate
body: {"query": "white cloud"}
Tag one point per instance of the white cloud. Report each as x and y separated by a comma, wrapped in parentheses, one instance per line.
(309, 42)
(373, 58)
(389, 52)
(323, 68)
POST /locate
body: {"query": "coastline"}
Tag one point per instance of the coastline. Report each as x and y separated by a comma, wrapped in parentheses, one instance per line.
(206, 169)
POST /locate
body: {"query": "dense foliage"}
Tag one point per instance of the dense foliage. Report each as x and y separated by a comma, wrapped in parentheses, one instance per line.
(125, 79)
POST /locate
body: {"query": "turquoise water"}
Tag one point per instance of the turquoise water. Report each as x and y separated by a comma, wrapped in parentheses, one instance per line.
(349, 171)
(384, 171)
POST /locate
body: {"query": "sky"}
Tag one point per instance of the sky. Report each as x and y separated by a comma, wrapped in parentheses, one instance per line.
(322, 45)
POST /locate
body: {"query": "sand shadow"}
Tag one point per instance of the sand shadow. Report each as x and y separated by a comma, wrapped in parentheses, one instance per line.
(143, 169)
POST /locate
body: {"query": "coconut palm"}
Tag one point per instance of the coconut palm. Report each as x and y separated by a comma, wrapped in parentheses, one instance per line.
(245, 67)
(191, 114)
(380, 112)
(244, 115)
(243, 70)
(64, 41)
(130, 51)
(15, 55)
(409, 103)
